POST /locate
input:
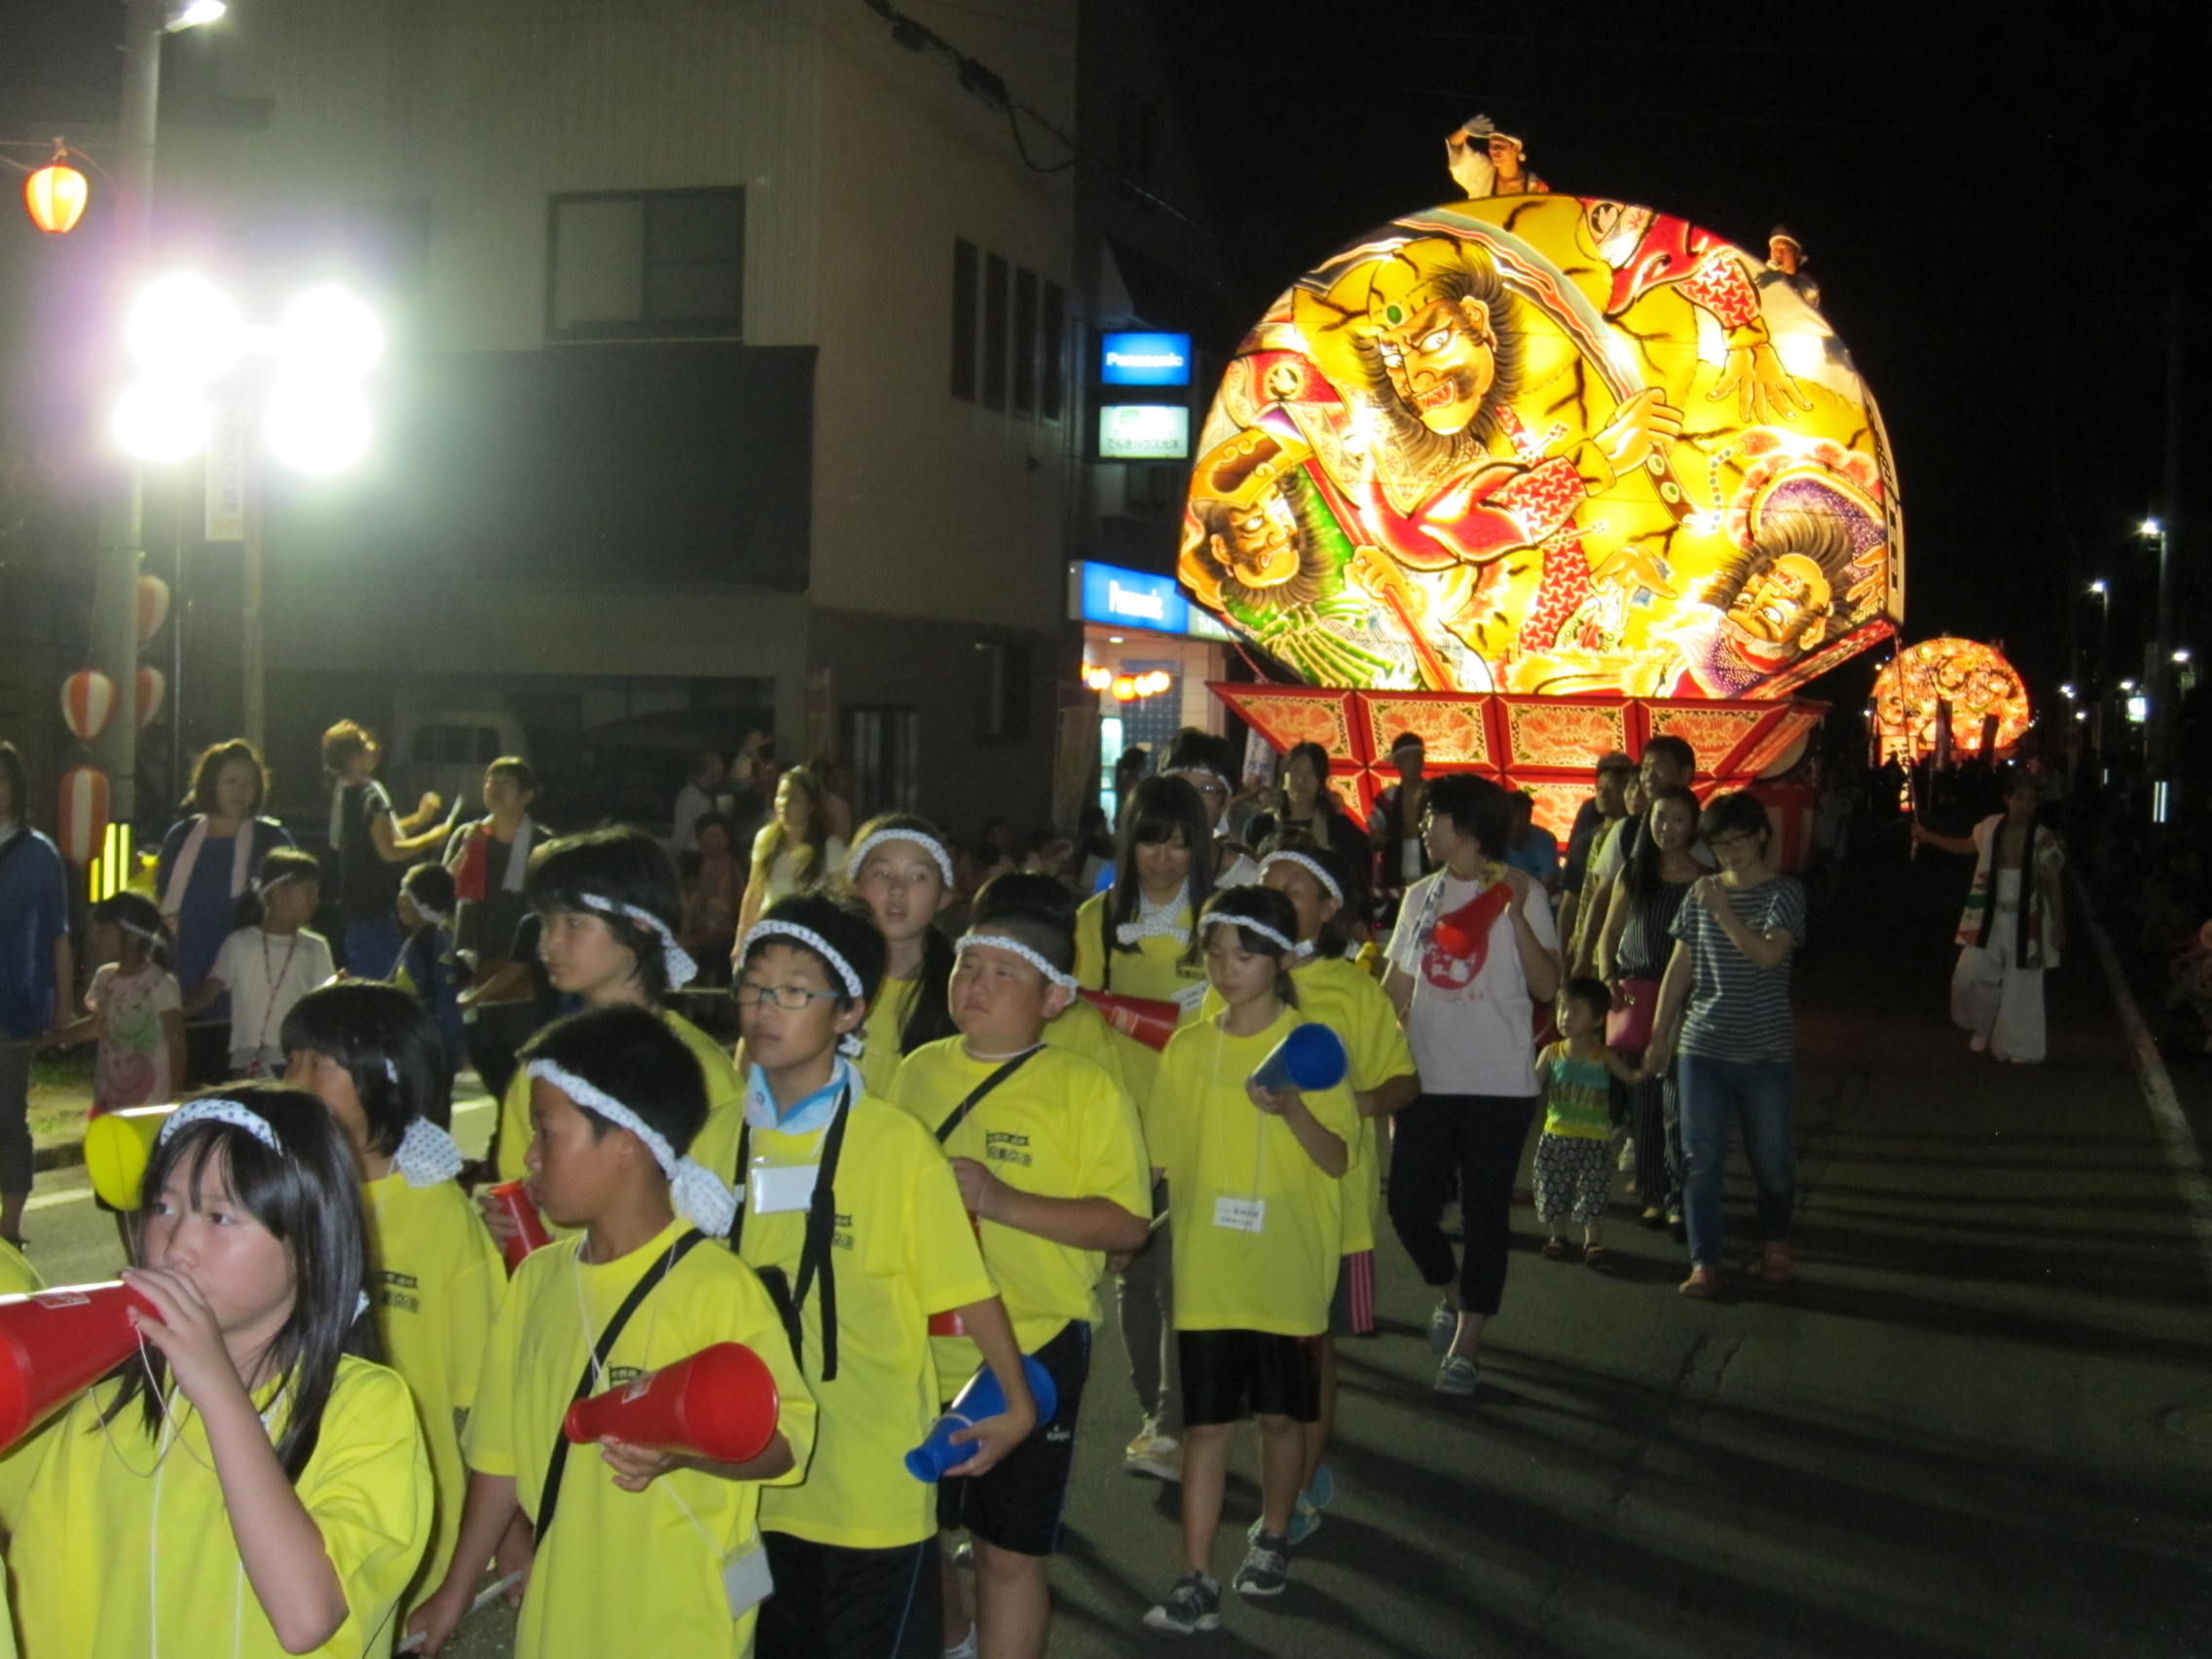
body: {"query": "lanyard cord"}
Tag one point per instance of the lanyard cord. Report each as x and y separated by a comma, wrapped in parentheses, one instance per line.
(273, 981)
(814, 1256)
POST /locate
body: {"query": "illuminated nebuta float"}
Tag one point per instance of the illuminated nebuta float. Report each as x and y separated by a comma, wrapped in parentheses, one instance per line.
(1948, 699)
(1539, 476)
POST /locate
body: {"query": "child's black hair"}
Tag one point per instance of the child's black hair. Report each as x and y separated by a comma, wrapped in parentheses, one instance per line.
(277, 864)
(1263, 904)
(631, 1053)
(847, 925)
(1033, 908)
(1590, 991)
(430, 884)
(136, 914)
(1475, 805)
(308, 1195)
(1334, 936)
(1159, 809)
(1736, 813)
(931, 1017)
(618, 866)
(388, 1044)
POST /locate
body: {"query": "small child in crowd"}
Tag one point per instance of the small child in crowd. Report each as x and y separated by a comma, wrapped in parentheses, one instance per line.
(1574, 1167)
(425, 966)
(137, 1011)
(269, 961)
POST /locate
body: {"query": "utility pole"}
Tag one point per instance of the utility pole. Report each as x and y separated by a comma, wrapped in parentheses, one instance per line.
(2163, 680)
(116, 555)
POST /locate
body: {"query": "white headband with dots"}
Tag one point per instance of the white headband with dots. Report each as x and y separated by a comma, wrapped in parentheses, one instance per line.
(1222, 918)
(1014, 946)
(1328, 882)
(220, 1111)
(1201, 772)
(682, 970)
(698, 1194)
(929, 844)
(853, 1042)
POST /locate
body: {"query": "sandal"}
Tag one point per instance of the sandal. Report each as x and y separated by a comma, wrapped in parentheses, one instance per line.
(1597, 1255)
(1704, 1283)
(1555, 1250)
(1654, 1218)
(1776, 1265)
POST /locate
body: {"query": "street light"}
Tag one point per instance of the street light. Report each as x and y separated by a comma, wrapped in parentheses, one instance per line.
(2067, 692)
(2098, 588)
(192, 13)
(2149, 526)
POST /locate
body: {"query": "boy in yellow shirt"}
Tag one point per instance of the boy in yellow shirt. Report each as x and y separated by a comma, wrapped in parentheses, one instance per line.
(1253, 1180)
(638, 1550)
(851, 1214)
(1051, 1164)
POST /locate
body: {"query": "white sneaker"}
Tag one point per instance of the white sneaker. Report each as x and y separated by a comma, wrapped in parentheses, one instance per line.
(965, 1647)
(1153, 1454)
(1443, 1329)
(1455, 1376)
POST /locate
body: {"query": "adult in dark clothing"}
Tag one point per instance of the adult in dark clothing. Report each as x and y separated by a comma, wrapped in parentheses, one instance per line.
(373, 846)
(38, 977)
(489, 859)
(1401, 854)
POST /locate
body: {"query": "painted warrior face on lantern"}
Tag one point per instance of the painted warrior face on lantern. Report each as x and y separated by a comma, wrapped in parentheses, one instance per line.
(1783, 607)
(1441, 359)
(1262, 546)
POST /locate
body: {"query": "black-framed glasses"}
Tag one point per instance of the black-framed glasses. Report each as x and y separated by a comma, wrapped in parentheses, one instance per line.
(790, 997)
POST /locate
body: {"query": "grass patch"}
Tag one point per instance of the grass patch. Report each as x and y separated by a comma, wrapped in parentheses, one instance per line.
(61, 1089)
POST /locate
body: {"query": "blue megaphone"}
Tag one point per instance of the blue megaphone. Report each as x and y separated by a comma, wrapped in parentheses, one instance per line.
(981, 1398)
(1311, 1058)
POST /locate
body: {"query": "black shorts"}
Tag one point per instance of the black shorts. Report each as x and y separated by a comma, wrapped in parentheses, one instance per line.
(1229, 1373)
(1016, 1506)
(832, 1602)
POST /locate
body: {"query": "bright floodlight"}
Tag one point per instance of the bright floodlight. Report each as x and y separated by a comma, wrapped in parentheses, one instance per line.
(191, 14)
(184, 327)
(328, 331)
(2150, 526)
(161, 421)
(2066, 690)
(2182, 655)
(319, 425)
(2097, 587)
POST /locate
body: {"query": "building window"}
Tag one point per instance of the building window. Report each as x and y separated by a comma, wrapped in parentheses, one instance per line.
(1002, 690)
(1051, 353)
(646, 265)
(883, 746)
(1024, 342)
(965, 287)
(995, 272)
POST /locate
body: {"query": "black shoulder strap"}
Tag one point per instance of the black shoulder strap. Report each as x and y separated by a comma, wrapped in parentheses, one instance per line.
(814, 1250)
(976, 1095)
(551, 1495)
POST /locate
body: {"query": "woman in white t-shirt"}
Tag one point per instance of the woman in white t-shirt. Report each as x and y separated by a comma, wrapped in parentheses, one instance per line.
(794, 850)
(1474, 953)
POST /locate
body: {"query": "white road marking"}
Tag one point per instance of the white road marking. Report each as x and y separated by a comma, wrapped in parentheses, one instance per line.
(2166, 1115)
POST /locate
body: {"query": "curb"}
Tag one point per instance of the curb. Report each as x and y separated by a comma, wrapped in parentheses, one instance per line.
(57, 1154)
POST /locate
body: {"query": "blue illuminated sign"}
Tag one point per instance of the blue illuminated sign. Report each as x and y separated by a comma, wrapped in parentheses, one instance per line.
(1144, 360)
(1134, 599)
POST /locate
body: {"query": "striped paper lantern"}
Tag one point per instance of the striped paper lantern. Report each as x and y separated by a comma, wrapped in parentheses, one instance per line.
(153, 607)
(88, 703)
(153, 686)
(83, 812)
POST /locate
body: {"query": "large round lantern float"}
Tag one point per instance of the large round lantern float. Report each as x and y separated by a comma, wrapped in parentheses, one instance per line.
(1958, 685)
(1536, 477)
(55, 196)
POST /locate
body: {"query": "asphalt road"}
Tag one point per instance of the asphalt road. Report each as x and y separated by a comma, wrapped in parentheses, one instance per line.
(1980, 1424)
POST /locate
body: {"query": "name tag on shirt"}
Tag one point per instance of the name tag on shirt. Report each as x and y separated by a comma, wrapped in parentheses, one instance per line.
(747, 1581)
(1240, 1215)
(780, 1188)
(1189, 997)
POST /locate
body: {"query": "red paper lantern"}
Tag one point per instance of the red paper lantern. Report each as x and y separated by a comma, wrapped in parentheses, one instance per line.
(153, 686)
(88, 703)
(55, 196)
(153, 607)
(83, 812)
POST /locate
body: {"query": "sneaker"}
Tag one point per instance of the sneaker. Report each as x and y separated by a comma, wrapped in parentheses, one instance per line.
(964, 1553)
(1267, 1567)
(1455, 1376)
(1304, 1522)
(1776, 1265)
(1443, 1326)
(1153, 1454)
(1192, 1605)
(1322, 1490)
(1625, 1163)
(965, 1647)
(1704, 1283)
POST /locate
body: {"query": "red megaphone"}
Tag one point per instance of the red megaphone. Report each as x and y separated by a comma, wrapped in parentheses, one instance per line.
(1150, 1022)
(719, 1404)
(513, 1199)
(1465, 932)
(55, 1343)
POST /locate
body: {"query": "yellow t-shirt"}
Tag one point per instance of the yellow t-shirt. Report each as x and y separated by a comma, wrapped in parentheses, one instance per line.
(117, 1540)
(1156, 970)
(435, 1279)
(902, 1251)
(878, 1062)
(1081, 1029)
(620, 1572)
(1059, 1127)
(725, 1094)
(17, 1278)
(1215, 1145)
(1346, 998)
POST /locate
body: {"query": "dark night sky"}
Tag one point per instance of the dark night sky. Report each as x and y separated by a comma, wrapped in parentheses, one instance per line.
(1998, 213)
